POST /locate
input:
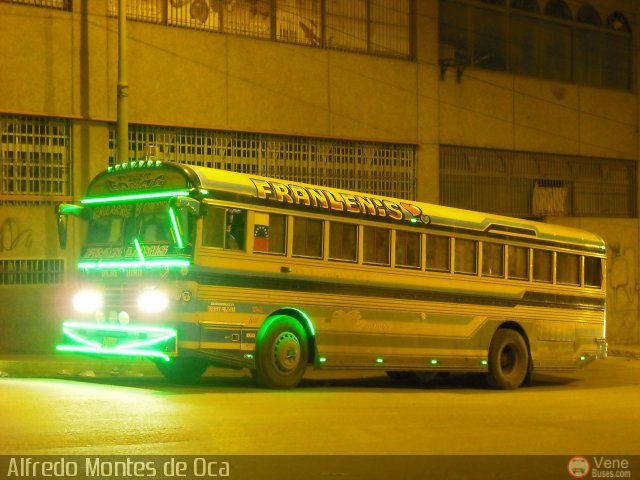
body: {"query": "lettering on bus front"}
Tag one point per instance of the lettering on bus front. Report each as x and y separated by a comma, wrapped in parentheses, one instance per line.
(340, 202)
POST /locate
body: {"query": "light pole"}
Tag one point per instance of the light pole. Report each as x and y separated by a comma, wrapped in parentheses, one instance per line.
(122, 130)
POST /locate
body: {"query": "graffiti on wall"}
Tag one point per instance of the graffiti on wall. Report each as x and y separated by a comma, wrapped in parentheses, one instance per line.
(623, 292)
(13, 235)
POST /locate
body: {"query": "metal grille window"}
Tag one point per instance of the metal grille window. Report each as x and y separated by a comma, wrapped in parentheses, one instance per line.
(58, 4)
(380, 27)
(31, 272)
(35, 159)
(540, 38)
(526, 184)
(379, 168)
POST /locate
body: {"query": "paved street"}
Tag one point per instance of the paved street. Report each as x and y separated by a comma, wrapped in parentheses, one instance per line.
(588, 411)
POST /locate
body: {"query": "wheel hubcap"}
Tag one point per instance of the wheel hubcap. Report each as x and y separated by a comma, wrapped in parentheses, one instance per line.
(508, 359)
(286, 352)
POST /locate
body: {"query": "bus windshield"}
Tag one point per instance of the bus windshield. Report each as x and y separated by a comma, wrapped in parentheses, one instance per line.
(151, 223)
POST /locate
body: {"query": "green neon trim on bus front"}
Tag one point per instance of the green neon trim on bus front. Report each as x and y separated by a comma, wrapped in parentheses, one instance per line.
(136, 196)
(113, 351)
(156, 263)
(176, 229)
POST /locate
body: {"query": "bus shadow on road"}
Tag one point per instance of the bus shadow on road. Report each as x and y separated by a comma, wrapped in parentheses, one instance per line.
(243, 383)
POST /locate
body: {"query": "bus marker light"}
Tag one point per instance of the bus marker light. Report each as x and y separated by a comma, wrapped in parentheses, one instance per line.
(322, 359)
(379, 360)
(434, 361)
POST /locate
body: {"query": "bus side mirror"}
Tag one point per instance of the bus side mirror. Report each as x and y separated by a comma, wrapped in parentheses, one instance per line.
(62, 230)
(62, 211)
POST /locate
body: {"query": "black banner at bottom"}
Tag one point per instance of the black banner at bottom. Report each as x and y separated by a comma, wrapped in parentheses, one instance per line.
(321, 467)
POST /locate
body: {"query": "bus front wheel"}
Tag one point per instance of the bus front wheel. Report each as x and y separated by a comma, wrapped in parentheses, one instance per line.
(281, 354)
(508, 360)
(182, 369)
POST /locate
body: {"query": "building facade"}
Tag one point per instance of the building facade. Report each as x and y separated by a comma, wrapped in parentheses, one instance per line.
(522, 107)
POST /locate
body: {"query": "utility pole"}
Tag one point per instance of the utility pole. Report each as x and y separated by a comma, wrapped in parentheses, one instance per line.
(122, 131)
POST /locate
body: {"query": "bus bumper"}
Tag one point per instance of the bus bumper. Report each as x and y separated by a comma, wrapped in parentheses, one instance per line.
(120, 340)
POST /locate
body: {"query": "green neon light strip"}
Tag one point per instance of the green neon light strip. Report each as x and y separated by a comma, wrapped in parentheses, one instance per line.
(176, 230)
(133, 344)
(80, 339)
(308, 320)
(113, 351)
(139, 250)
(118, 328)
(137, 196)
(145, 343)
(156, 263)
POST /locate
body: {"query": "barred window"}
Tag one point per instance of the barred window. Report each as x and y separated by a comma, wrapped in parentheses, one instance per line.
(58, 4)
(378, 168)
(31, 272)
(542, 42)
(523, 184)
(35, 159)
(379, 27)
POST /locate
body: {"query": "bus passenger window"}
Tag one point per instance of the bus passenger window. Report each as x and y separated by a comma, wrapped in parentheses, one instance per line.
(213, 227)
(343, 242)
(408, 249)
(270, 233)
(568, 269)
(307, 237)
(518, 263)
(465, 259)
(542, 266)
(492, 260)
(592, 272)
(376, 245)
(236, 226)
(438, 253)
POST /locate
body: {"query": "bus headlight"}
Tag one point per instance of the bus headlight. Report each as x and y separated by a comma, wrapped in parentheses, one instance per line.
(87, 301)
(153, 301)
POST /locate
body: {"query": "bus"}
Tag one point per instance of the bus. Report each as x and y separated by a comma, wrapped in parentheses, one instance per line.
(193, 267)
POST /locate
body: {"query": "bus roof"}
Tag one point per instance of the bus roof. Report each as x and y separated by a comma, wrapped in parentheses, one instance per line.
(149, 176)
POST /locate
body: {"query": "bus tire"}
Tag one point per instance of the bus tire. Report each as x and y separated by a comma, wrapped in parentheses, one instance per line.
(508, 360)
(281, 354)
(182, 369)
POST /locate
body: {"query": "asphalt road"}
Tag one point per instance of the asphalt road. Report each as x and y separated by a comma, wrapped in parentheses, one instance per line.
(593, 410)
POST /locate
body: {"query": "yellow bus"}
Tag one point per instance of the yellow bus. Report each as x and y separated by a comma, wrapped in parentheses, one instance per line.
(194, 267)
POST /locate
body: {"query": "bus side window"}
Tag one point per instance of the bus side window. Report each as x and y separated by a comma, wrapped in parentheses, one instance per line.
(307, 237)
(343, 241)
(236, 227)
(542, 266)
(438, 253)
(408, 249)
(592, 272)
(492, 260)
(376, 245)
(466, 256)
(518, 263)
(270, 233)
(568, 269)
(214, 227)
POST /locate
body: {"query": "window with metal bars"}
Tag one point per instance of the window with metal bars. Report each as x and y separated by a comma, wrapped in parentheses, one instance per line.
(57, 4)
(378, 168)
(529, 184)
(378, 27)
(31, 272)
(35, 159)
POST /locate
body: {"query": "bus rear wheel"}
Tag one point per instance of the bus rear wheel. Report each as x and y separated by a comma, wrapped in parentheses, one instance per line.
(508, 360)
(281, 354)
(182, 369)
